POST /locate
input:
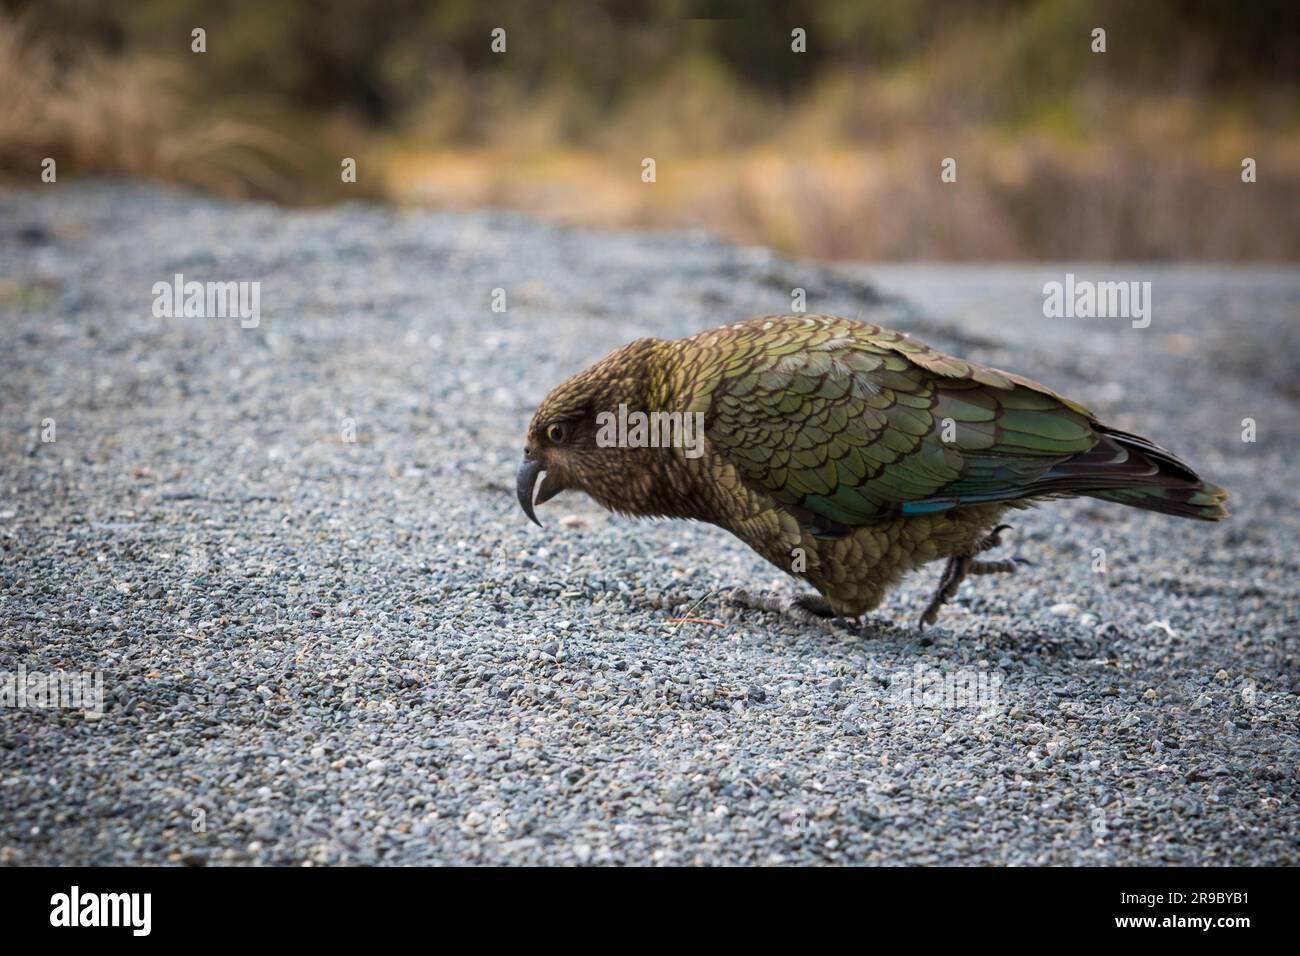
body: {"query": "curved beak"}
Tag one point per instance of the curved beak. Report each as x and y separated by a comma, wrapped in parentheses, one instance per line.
(526, 481)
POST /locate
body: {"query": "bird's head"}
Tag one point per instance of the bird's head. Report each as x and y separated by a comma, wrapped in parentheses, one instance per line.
(565, 444)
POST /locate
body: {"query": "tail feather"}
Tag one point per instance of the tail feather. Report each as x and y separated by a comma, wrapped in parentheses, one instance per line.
(1144, 475)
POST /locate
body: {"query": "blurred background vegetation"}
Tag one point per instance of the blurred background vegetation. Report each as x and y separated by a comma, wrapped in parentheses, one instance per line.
(833, 153)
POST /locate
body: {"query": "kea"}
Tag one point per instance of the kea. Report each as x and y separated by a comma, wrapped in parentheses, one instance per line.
(844, 453)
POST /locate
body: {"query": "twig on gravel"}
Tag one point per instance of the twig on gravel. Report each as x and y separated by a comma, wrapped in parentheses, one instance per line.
(686, 618)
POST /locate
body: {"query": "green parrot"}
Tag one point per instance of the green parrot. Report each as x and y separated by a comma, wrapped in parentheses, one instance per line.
(844, 453)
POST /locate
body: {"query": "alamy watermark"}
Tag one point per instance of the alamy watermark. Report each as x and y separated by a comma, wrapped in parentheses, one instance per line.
(651, 430)
(40, 691)
(1086, 299)
(208, 300)
(965, 688)
(75, 908)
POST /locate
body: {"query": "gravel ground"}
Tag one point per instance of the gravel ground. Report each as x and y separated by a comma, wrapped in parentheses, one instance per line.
(319, 651)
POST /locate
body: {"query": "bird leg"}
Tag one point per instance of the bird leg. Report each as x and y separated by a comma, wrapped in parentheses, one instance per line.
(953, 573)
(814, 604)
(802, 607)
(960, 565)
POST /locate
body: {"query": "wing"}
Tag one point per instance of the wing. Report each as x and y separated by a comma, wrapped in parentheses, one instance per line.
(845, 422)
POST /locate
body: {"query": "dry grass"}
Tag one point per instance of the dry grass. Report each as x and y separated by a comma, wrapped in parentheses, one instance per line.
(135, 116)
(1031, 197)
(848, 171)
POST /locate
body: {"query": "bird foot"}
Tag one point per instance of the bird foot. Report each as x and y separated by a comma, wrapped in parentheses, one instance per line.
(953, 573)
(805, 608)
(960, 565)
(1005, 566)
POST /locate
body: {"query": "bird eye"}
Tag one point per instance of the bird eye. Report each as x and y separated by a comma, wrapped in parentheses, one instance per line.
(556, 433)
